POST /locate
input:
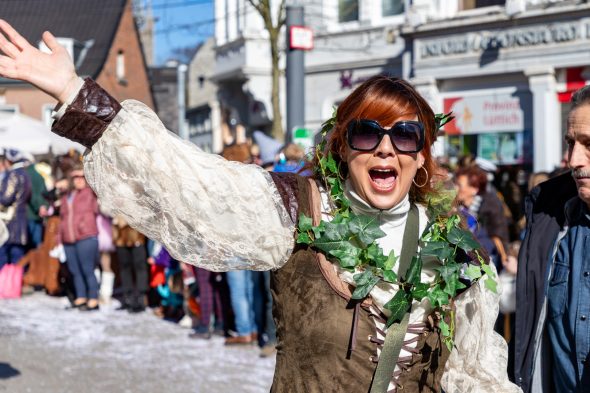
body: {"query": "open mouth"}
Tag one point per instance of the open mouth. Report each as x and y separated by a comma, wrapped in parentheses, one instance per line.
(383, 178)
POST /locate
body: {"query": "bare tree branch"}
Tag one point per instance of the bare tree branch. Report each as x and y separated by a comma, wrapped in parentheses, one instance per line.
(282, 19)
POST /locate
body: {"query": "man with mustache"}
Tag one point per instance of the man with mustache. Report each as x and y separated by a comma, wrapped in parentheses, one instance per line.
(552, 347)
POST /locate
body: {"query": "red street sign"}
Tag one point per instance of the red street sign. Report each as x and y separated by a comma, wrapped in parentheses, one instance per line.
(300, 37)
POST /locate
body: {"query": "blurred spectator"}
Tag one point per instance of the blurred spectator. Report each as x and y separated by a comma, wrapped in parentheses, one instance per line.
(269, 149)
(78, 234)
(15, 191)
(132, 258)
(471, 185)
(105, 248)
(214, 302)
(34, 220)
(240, 283)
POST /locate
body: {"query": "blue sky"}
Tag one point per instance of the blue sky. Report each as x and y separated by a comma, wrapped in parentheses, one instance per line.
(181, 23)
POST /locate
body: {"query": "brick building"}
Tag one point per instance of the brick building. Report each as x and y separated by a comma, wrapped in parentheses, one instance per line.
(101, 37)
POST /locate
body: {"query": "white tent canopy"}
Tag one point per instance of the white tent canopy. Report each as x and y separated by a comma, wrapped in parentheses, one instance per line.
(30, 135)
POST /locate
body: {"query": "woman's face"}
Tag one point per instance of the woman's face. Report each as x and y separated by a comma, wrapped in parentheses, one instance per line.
(78, 180)
(383, 176)
(465, 192)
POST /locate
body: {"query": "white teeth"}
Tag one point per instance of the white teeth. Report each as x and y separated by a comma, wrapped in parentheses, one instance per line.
(382, 170)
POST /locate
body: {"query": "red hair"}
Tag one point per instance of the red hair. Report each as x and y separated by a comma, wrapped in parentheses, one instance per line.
(385, 100)
(476, 178)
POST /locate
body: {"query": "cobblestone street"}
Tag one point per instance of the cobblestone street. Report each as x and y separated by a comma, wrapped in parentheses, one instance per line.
(45, 348)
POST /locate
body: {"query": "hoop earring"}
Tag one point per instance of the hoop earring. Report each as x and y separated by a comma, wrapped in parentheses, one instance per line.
(425, 181)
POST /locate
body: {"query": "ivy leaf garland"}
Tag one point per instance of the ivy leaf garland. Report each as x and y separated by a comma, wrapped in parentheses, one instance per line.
(351, 240)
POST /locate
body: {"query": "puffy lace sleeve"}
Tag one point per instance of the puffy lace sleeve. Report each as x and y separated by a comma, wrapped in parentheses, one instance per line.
(207, 211)
(478, 363)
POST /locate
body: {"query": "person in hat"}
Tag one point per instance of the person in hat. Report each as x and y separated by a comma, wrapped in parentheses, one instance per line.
(372, 291)
(15, 191)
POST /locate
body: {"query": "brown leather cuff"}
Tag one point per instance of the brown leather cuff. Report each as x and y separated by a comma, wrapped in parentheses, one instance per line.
(88, 115)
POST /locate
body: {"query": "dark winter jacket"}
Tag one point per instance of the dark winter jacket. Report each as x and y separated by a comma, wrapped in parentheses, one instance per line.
(37, 190)
(15, 191)
(544, 209)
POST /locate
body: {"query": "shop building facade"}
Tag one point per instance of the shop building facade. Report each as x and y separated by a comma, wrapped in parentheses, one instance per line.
(507, 74)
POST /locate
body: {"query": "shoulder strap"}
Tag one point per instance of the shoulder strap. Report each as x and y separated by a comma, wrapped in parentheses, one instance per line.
(394, 338)
(410, 240)
(389, 355)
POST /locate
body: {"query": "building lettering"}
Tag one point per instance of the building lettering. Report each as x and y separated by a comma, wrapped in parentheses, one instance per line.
(504, 39)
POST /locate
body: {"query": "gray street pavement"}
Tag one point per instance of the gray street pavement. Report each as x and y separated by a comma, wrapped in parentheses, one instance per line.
(45, 348)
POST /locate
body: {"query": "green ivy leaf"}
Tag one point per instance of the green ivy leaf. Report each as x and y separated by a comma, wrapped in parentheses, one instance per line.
(375, 255)
(488, 270)
(305, 223)
(448, 271)
(449, 343)
(331, 164)
(439, 249)
(414, 271)
(453, 222)
(438, 297)
(391, 261)
(491, 284)
(318, 230)
(390, 276)
(365, 282)
(473, 272)
(420, 291)
(366, 228)
(398, 306)
(444, 328)
(452, 285)
(463, 238)
(303, 238)
(335, 231)
(347, 255)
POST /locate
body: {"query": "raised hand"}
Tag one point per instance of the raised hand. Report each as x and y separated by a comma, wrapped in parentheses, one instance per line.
(53, 73)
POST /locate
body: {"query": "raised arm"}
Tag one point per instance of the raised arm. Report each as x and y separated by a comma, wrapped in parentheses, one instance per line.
(206, 211)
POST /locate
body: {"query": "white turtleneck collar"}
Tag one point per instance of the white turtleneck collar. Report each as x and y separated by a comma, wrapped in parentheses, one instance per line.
(394, 216)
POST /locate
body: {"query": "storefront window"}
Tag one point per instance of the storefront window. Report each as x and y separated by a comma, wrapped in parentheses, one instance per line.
(348, 10)
(494, 124)
(392, 7)
(471, 4)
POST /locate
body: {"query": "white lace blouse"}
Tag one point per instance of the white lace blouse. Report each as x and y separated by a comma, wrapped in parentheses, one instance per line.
(224, 215)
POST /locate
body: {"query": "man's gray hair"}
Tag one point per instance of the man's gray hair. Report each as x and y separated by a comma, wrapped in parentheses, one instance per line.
(581, 97)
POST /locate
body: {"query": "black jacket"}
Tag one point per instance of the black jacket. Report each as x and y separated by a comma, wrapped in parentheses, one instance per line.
(544, 209)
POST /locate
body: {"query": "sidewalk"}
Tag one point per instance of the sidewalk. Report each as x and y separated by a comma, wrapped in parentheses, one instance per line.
(47, 349)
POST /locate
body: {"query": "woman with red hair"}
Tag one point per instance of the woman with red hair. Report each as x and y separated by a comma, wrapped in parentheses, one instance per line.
(362, 301)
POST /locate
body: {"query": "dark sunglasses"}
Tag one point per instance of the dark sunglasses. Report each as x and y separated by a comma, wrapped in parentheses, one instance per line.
(365, 135)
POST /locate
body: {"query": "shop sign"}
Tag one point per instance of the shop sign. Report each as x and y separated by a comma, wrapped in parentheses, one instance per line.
(478, 42)
(300, 37)
(489, 113)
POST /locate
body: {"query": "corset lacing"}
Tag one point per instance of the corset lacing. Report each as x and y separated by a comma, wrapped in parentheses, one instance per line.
(409, 345)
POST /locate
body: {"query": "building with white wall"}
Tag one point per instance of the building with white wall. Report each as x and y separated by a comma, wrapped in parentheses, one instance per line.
(203, 114)
(507, 71)
(506, 68)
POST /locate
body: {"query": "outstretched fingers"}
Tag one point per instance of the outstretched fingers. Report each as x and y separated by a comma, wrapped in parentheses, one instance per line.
(13, 35)
(7, 67)
(8, 48)
(50, 41)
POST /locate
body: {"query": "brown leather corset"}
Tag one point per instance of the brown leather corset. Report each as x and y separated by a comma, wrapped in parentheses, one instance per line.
(315, 323)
